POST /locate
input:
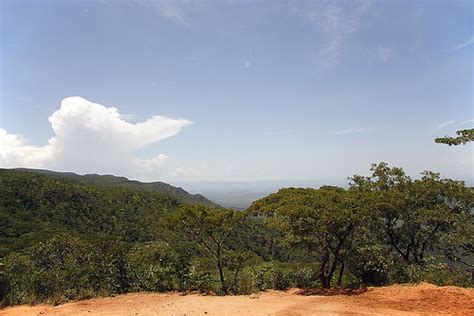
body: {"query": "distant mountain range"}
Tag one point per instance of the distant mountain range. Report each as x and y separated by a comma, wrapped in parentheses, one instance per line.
(235, 194)
(113, 181)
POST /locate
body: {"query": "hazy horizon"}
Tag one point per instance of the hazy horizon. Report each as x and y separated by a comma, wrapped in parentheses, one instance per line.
(241, 194)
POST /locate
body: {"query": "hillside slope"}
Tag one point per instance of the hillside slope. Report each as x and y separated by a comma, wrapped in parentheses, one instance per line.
(113, 181)
(34, 207)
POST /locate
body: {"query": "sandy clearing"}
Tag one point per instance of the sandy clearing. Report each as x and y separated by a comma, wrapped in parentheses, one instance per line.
(423, 299)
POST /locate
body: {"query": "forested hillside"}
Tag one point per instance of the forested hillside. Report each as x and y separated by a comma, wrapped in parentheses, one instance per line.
(122, 182)
(34, 207)
(62, 240)
(81, 229)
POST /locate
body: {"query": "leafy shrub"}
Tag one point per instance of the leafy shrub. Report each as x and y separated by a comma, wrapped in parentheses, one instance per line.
(277, 276)
(444, 274)
(433, 271)
(17, 280)
(199, 279)
(153, 266)
(306, 277)
(235, 262)
(62, 268)
(370, 265)
(253, 279)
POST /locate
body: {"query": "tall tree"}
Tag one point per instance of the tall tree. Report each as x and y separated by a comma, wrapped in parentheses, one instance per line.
(420, 216)
(324, 220)
(209, 228)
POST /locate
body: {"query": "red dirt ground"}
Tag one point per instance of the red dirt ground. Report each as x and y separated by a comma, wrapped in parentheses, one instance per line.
(422, 299)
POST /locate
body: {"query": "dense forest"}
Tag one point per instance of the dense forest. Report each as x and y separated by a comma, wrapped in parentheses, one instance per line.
(122, 182)
(66, 237)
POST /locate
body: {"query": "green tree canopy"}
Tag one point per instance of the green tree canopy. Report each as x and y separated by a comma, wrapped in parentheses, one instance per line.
(324, 220)
(209, 228)
(420, 216)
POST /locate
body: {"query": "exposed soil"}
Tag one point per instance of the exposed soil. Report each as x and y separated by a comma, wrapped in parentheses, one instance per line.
(422, 299)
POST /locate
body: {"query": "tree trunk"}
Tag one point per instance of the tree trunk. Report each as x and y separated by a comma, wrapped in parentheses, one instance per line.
(323, 264)
(341, 272)
(335, 260)
(221, 273)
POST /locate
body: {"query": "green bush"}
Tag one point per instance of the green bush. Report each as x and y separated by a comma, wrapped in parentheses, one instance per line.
(17, 279)
(306, 277)
(277, 276)
(153, 266)
(443, 274)
(199, 279)
(62, 268)
(433, 271)
(369, 265)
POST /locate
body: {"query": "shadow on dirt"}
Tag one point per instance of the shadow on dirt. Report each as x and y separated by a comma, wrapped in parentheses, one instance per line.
(331, 292)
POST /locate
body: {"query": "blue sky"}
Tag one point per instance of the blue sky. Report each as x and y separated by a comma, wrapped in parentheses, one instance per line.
(245, 90)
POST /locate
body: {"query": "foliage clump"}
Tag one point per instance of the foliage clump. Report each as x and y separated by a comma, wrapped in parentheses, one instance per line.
(464, 136)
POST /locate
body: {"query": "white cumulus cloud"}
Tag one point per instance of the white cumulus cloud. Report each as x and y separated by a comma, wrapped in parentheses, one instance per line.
(15, 152)
(89, 137)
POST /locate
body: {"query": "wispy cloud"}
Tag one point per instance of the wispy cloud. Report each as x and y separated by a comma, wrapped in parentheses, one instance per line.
(453, 122)
(351, 131)
(447, 123)
(247, 64)
(337, 21)
(176, 11)
(465, 44)
(173, 12)
(187, 172)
